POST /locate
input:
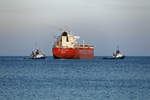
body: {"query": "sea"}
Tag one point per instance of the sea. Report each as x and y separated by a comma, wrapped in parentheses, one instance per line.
(64, 79)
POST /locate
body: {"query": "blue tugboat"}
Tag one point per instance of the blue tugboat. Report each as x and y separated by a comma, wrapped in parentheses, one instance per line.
(116, 55)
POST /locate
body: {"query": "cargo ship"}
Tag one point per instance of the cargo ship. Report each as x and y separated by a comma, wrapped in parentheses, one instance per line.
(66, 47)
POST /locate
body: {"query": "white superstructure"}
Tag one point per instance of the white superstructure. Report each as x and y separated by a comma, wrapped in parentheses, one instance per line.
(66, 40)
(118, 54)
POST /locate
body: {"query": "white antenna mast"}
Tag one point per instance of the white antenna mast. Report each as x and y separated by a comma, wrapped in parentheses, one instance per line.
(83, 43)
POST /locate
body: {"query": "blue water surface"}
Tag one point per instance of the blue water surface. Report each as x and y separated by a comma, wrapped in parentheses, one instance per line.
(96, 79)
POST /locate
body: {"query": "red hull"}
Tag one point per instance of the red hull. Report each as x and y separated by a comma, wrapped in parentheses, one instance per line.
(73, 53)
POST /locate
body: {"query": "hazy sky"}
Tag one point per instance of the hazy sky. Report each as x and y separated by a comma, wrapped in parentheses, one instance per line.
(27, 24)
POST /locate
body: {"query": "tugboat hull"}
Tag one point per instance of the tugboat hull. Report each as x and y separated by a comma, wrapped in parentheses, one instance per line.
(114, 57)
(35, 58)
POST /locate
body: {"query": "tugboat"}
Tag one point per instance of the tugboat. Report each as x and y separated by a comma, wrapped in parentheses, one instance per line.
(116, 55)
(37, 55)
(66, 47)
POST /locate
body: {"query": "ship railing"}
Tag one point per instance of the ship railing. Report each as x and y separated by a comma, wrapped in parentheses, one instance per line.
(85, 46)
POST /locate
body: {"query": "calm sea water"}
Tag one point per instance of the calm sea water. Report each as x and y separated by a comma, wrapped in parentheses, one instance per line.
(97, 79)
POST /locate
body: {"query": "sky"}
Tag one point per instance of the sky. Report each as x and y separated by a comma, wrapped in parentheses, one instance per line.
(29, 24)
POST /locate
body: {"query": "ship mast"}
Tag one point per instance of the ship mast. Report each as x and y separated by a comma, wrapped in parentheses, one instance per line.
(117, 47)
(83, 43)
